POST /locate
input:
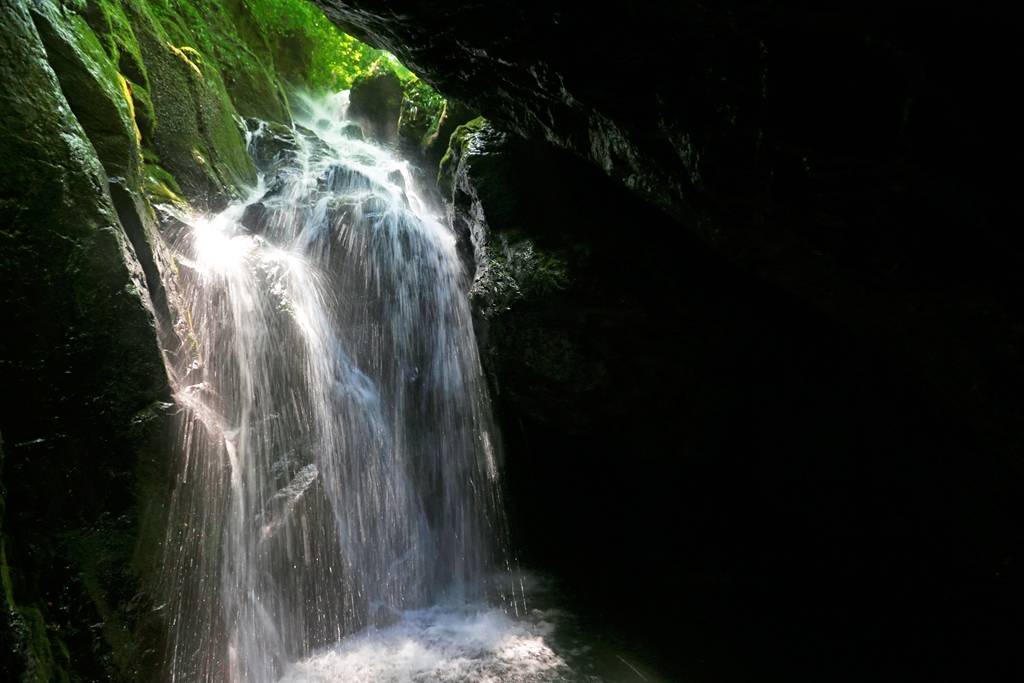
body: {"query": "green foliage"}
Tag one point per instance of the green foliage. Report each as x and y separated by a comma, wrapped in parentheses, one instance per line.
(335, 58)
(421, 95)
(161, 186)
(422, 111)
(458, 145)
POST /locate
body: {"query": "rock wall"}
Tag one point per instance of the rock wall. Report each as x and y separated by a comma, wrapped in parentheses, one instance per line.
(775, 423)
(847, 153)
(109, 108)
(715, 469)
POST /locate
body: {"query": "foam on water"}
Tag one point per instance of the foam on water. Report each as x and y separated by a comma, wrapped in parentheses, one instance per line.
(444, 643)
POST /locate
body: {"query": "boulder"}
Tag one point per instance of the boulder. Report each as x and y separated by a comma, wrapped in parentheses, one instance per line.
(353, 131)
(271, 145)
(254, 218)
(376, 101)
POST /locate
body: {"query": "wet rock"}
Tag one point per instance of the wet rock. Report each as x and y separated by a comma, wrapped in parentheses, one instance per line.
(254, 218)
(353, 131)
(97, 94)
(196, 136)
(817, 152)
(376, 101)
(86, 356)
(341, 176)
(375, 205)
(318, 149)
(812, 149)
(145, 115)
(275, 187)
(480, 180)
(478, 185)
(272, 145)
(397, 178)
(341, 211)
(585, 341)
(435, 143)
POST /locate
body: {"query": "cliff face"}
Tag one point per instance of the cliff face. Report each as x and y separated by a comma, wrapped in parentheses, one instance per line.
(709, 463)
(109, 108)
(844, 370)
(846, 153)
(780, 399)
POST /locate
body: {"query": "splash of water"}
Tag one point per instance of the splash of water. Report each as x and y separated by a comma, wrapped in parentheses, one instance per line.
(336, 466)
(441, 643)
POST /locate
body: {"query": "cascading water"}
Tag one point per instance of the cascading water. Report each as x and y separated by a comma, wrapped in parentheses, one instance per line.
(338, 467)
(336, 513)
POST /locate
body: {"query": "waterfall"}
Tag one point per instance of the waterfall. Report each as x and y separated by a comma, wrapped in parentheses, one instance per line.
(338, 468)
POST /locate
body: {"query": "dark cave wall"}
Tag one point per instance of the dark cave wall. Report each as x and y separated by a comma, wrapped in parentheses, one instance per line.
(739, 486)
(853, 153)
(769, 416)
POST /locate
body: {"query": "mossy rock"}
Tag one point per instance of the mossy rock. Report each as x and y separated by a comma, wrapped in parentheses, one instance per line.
(271, 145)
(456, 151)
(197, 136)
(86, 354)
(161, 186)
(477, 157)
(435, 142)
(145, 115)
(97, 92)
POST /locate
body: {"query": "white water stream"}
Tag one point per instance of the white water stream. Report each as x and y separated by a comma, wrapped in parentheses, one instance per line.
(336, 513)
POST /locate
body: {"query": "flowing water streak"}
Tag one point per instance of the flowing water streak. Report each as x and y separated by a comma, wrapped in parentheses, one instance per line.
(337, 467)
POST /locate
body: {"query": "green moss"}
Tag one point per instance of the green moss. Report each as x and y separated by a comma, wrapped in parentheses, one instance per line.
(145, 115)
(93, 87)
(42, 663)
(195, 135)
(210, 71)
(161, 186)
(328, 59)
(458, 146)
